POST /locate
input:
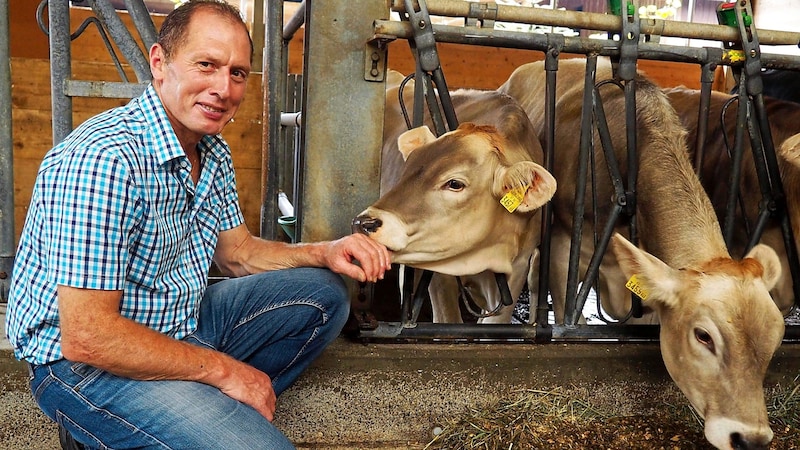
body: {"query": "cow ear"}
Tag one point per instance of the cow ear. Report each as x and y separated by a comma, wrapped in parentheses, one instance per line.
(414, 138)
(525, 186)
(790, 150)
(768, 259)
(649, 277)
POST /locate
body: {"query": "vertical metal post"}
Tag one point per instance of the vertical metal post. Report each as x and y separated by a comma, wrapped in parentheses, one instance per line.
(274, 85)
(7, 235)
(570, 309)
(342, 117)
(60, 68)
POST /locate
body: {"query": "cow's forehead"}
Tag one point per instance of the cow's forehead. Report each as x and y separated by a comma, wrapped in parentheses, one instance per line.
(455, 147)
(734, 300)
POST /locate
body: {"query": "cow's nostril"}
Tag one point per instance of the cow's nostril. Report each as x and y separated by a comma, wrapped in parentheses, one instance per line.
(739, 442)
(366, 224)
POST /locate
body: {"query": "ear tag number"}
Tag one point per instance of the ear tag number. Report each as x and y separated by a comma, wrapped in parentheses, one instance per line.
(635, 286)
(513, 198)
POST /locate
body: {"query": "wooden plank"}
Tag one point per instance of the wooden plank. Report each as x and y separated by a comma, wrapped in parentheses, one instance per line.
(32, 125)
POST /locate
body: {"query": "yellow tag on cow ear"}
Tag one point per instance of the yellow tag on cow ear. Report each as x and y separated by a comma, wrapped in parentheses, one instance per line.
(513, 198)
(635, 286)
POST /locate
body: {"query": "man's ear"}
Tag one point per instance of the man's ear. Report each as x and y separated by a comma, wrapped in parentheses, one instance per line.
(157, 61)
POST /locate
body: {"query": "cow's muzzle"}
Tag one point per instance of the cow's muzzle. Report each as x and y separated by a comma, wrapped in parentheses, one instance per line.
(365, 224)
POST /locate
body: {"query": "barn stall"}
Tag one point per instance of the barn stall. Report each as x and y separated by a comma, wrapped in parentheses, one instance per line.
(323, 165)
(338, 169)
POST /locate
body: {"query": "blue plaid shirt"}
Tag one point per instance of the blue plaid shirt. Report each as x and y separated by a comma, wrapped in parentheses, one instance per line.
(114, 208)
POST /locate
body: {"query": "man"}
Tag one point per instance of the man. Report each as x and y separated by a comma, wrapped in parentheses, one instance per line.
(128, 347)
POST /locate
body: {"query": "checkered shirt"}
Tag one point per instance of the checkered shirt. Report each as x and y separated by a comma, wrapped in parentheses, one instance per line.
(114, 208)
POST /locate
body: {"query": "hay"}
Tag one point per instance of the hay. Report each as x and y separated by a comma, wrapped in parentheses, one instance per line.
(555, 419)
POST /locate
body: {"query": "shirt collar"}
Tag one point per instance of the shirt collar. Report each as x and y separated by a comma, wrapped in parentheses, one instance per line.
(160, 131)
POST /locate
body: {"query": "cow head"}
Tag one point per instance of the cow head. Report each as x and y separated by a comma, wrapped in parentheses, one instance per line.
(719, 330)
(445, 213)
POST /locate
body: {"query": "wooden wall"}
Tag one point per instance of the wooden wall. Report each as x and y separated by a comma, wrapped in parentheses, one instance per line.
(463, 65)
(32, 112)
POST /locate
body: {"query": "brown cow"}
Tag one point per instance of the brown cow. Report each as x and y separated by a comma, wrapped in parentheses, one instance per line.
(440, 207)
(719, 326)
(784, 120)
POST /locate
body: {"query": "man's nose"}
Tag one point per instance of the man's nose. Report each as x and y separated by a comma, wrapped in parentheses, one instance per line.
(222, 83)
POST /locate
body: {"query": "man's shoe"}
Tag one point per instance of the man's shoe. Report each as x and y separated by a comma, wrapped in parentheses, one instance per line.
(67, 441)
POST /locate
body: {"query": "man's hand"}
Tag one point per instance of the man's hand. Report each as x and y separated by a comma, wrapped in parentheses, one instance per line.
(358, 257)
(251, 387)
(93, 332)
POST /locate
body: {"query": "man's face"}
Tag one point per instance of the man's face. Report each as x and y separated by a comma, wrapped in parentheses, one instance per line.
(203, 84)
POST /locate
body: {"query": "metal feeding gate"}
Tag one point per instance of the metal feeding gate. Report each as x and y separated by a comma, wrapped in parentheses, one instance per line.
(344, 64)
(343, 97)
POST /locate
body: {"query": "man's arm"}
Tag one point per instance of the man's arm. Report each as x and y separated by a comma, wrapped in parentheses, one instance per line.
(93, 332)
(239, 253)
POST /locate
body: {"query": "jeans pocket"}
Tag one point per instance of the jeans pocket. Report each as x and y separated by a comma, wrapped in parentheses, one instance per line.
(85, 373)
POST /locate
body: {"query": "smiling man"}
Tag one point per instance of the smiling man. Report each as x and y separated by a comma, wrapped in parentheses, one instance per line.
(127, 345)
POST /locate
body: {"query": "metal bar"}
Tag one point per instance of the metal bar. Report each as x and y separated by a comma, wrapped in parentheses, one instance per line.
(60, 68)
(342, 155)
(579, 209)
(107, 14)
(427, 58)
(295, 22)
(736, 155)
(143, 22)
(706, 80)
(603, 22)
(510, 334)
(600, 47)
(7, 234)
(551, 70)
(274, 85)
(456, 332)
(105, 89)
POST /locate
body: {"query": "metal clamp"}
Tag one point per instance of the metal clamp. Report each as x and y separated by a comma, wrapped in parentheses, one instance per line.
(482, 15)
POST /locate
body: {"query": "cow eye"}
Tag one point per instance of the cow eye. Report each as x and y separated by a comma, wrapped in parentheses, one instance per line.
(704, 338)
(455, 185)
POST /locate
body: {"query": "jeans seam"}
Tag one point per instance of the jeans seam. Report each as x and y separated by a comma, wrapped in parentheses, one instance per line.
(306, 302)
(299, 353)
(90, 405)
(61, 418)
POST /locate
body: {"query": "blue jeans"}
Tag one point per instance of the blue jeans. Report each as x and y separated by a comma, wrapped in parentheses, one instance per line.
(278, 321)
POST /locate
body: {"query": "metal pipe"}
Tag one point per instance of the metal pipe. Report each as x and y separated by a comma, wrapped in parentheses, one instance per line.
(295, 22)
(7, 234)
(605, 22)
(274, 85)
(508, 333)
(522, 334)
(60, 68)
(578, 216)
(143, 22)
(600, 47)
(107, 14)
(294, 119)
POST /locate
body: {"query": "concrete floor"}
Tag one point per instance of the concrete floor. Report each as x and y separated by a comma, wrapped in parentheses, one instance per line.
(391, 396)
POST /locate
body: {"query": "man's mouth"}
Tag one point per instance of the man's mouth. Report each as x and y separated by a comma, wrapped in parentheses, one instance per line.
(211, 109)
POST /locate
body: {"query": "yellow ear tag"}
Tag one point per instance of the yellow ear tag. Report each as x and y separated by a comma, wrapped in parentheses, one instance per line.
(513, 198)
(636, 287)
